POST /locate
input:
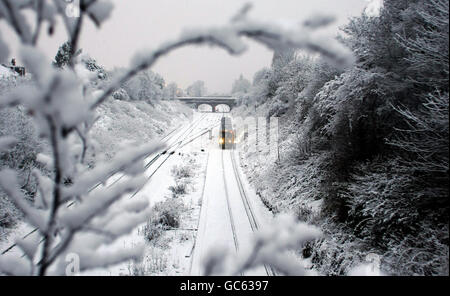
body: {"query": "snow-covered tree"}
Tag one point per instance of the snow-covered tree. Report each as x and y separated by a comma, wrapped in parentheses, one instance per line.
(196, 89)
(170, 91)
(240, 85)
(92, 65)
(428, 47)
(64, 55)
(145, 86)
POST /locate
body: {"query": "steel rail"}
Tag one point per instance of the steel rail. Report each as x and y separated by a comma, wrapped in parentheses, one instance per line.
(248, 208)
(230, 213)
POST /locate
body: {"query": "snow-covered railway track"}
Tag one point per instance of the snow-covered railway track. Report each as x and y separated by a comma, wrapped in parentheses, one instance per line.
(230, 213)
(247, 205)
(171, 149)
(249, 213)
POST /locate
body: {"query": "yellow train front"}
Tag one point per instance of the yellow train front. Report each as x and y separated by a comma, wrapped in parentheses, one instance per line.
(227, 137)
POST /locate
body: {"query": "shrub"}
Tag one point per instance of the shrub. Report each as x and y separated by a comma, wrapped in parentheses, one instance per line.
(22, 156)
(152, 230)
(338, 252)
(121, 94)
(169, 212)
(180, 172)
(166, 215)
(8, 212)
(178, 189)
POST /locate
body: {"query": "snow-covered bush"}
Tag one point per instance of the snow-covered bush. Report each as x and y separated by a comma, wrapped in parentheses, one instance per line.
(8, 213)
(165, 215)
(169, 212)
(180, 188)
(93, 66)
(388, 208)
(121, 94)
(22, 156)
(152, 230)
(181, 171)
(338, 252)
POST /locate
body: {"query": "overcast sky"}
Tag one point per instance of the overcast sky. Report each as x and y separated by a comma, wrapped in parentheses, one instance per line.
(140, 24)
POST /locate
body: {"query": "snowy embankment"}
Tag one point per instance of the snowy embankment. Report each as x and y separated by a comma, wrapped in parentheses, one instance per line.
(121, 122)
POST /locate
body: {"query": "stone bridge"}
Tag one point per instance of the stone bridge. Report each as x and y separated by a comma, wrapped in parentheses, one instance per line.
(212, 101)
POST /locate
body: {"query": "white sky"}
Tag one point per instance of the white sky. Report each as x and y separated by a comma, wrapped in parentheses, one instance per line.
(140, 24)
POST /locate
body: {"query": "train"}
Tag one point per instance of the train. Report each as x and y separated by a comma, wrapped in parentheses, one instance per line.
(227, 135)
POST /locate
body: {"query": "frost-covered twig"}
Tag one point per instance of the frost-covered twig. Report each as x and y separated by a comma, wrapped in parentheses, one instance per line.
(427, 134)
(39, 19)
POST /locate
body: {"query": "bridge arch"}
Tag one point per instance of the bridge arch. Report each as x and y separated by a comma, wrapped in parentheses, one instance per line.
(222, 108)
(205, 107)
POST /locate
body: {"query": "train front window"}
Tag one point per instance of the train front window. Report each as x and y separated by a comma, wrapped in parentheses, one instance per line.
(226, 137)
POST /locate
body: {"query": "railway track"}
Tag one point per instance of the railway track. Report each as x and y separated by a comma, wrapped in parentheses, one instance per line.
(170, 150)
(155, 158)
(230, 213)
(247, 206)
(165, 139)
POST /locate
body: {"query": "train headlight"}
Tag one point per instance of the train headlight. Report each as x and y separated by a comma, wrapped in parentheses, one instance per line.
(221, 141)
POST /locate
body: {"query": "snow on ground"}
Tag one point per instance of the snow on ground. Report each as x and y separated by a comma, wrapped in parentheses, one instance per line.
(136, 121)
(6, 72)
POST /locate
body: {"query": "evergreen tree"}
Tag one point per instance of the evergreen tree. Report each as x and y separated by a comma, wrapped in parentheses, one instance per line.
(64, 55)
